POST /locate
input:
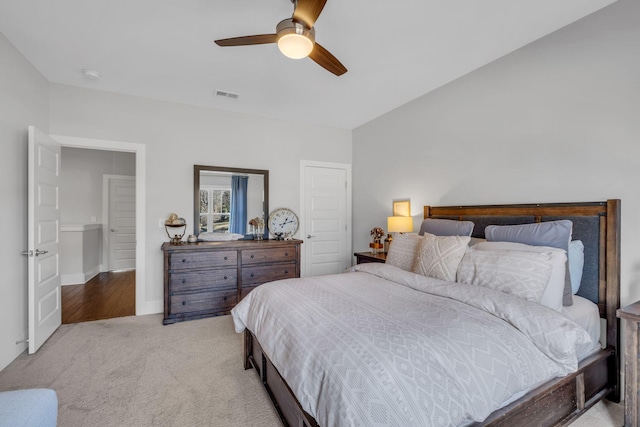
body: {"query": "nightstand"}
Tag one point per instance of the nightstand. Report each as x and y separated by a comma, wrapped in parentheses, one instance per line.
(631, 315)
(364, 257)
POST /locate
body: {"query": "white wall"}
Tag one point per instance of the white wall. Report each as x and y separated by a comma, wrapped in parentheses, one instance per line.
(555, 121)
(178, 136)
(81, 174)
(24, 101)
(80, 253)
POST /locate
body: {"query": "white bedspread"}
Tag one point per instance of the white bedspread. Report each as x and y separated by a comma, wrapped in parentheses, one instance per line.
(385, 347)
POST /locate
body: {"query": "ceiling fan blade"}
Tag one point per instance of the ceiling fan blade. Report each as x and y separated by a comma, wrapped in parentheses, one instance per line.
(307, 11)
(247, 40)
(325, 59)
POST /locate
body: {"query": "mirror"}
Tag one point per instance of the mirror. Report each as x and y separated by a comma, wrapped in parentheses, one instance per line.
(225, 199)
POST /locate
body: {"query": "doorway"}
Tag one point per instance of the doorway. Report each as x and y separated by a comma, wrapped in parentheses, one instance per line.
(98, 220)
(139, 151)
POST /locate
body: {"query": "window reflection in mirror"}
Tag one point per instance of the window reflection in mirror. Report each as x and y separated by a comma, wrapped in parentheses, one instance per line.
(225, 199)
(215, 202)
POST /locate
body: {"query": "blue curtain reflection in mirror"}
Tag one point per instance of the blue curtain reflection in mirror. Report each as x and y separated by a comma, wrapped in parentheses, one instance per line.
(238, 222)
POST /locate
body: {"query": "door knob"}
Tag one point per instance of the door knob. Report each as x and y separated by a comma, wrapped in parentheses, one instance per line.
(39, 252)
(309, 236)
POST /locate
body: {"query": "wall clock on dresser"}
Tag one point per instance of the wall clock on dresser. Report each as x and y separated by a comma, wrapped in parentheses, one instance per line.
(283, 223)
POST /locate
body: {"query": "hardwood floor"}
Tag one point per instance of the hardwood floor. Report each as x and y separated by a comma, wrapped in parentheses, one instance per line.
(108, 295)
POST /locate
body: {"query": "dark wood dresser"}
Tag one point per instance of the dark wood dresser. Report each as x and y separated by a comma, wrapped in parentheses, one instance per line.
(207, 279)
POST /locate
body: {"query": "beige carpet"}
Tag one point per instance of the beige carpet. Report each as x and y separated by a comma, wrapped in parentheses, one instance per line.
(133, 371)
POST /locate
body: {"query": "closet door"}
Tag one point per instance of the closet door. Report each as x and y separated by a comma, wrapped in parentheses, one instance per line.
(122, 223)
(326, 219)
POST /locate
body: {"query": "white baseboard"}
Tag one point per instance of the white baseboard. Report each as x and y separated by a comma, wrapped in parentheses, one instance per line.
(152, 307)
(72, 279)
(78, 278)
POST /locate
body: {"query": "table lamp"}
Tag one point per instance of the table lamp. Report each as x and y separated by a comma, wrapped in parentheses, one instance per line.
(397, 224)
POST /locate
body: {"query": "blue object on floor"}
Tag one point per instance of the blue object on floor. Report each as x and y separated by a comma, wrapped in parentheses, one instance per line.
(37, 407)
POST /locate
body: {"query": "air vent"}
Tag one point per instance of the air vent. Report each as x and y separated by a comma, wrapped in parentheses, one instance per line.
(226, 94)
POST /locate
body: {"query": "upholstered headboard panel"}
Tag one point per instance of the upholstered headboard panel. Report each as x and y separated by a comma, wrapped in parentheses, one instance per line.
(585, 229)
(596, 224)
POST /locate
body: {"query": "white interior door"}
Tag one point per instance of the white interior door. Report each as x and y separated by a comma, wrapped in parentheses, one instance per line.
(45, 305)
(326, 225)
(122, 223)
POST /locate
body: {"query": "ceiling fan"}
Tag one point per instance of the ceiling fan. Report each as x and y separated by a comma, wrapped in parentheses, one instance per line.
(295, 37)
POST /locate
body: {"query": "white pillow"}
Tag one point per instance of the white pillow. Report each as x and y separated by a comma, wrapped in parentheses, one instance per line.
(403, 249)
(439, 256)
(576, 264)
(552, 296)
(556, 234)
(519, 273)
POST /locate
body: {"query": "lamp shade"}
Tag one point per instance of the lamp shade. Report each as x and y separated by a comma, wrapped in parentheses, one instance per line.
(400, 224)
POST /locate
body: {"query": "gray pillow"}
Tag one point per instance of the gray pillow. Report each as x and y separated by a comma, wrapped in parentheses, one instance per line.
(556, 234)
(446, 227)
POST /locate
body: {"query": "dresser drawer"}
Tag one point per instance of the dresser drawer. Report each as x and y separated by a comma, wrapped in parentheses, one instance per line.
(226, 278)
(267, 273)
(256, 256)
(203, 301)
(202, 259)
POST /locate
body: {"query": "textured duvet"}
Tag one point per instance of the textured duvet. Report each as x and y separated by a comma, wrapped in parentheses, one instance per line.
(380, 346)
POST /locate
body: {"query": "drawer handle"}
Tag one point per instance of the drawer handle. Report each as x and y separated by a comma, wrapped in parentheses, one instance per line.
(251, 274)
(225, 298)
(184, 303)
(286, 272)
(286, 254)
(225, 258)
(225, 277)
(251, 256)
(184, 260)
(184, 280)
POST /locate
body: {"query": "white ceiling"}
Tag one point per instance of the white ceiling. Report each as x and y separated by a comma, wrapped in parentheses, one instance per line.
(163, 49)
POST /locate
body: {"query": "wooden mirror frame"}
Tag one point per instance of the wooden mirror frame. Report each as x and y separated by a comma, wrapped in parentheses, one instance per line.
(196, 191)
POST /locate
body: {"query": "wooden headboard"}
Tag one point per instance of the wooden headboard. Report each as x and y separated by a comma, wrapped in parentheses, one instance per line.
(597, 224)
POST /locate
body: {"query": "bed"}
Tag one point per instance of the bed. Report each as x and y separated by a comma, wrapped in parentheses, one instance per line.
(560, 384)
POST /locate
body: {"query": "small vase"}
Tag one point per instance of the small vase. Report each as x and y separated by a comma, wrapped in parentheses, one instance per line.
(387, 243)
(376, 246)
(259, 232)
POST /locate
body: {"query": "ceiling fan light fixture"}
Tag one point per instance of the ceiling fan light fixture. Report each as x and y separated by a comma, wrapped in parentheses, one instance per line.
(295, 41)
(295, 46)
